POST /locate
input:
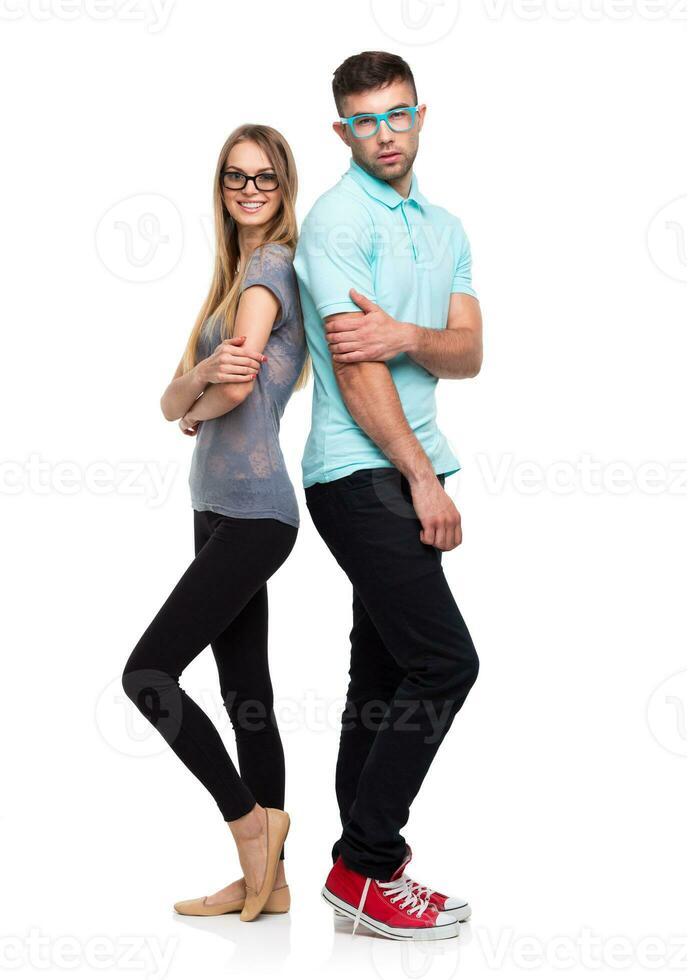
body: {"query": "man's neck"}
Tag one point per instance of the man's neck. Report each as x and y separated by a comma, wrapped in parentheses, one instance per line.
(403, 184)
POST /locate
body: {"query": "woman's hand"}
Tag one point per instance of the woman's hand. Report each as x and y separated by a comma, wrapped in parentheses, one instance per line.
(189, 426)
(230, 361)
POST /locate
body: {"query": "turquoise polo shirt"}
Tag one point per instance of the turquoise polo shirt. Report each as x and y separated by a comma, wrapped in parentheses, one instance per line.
(408, 256)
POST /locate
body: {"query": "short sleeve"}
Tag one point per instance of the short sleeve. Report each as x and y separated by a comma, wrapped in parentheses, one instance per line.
(462, 275)
(335, 254)
(272, 266)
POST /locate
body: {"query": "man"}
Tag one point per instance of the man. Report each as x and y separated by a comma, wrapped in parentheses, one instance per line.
(385, 281)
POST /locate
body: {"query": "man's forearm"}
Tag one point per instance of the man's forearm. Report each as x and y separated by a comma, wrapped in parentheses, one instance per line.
(372, 399)
(444, 353)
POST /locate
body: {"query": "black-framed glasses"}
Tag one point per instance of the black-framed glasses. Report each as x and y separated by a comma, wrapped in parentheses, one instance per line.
(234, 180)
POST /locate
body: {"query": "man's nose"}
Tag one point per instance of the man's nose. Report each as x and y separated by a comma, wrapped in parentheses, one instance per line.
(384, 133)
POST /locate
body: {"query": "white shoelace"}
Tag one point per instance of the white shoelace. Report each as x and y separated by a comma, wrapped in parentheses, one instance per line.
(402, 891)
(423, 891)
(360, 905)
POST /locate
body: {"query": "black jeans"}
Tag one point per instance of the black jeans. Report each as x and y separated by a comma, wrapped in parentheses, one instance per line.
(413, 661)
(221, 599)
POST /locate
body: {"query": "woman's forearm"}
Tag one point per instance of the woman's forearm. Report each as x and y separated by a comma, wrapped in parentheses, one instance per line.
(218, 399)
(181, 393)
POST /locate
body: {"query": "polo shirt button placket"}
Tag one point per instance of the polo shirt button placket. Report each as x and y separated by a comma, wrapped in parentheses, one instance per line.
(409, 228)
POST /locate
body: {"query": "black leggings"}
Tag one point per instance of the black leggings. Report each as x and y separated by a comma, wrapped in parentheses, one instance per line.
(221, 599)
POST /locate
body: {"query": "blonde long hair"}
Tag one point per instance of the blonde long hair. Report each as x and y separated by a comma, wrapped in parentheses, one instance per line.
(225, 288)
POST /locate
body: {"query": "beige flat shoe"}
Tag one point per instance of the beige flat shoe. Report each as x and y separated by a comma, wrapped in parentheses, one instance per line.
(277, 829)
(279, 900)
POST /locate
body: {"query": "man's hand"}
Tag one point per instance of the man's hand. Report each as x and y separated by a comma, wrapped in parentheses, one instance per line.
(437, 513)
(376, 336)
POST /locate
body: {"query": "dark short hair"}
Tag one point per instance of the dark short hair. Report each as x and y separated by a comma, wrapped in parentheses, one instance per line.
(367, 70)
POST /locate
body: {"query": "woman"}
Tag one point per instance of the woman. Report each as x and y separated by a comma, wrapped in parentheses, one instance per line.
(245, 356)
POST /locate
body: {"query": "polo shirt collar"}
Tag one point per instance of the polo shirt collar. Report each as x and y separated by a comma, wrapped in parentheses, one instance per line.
(382, 191)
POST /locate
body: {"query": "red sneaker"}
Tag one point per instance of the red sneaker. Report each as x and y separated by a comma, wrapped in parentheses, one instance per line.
(390, 908)
(458, 907)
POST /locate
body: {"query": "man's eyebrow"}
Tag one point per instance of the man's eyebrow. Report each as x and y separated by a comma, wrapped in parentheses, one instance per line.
(398, 105)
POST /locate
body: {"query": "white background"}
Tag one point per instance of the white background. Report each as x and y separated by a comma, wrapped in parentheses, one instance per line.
(557, 802)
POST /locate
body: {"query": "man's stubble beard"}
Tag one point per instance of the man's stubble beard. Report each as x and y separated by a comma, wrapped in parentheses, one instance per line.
(386, 173)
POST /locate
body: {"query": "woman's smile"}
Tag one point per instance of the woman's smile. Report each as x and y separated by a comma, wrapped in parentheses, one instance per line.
(251, 207)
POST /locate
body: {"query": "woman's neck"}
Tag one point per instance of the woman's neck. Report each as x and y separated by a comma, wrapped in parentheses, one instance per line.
(249, 239)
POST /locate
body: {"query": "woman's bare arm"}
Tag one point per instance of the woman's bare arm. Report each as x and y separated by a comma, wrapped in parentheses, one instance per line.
(181, 392)
(255, 317)
(232, 361)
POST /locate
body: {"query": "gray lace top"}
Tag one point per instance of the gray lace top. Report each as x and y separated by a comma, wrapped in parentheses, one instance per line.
(237, 468)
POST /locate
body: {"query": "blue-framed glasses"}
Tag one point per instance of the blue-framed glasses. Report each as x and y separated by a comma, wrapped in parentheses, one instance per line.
(366, 124)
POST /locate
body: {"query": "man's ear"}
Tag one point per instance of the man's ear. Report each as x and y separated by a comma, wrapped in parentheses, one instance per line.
(422, 109)
(341, 130)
